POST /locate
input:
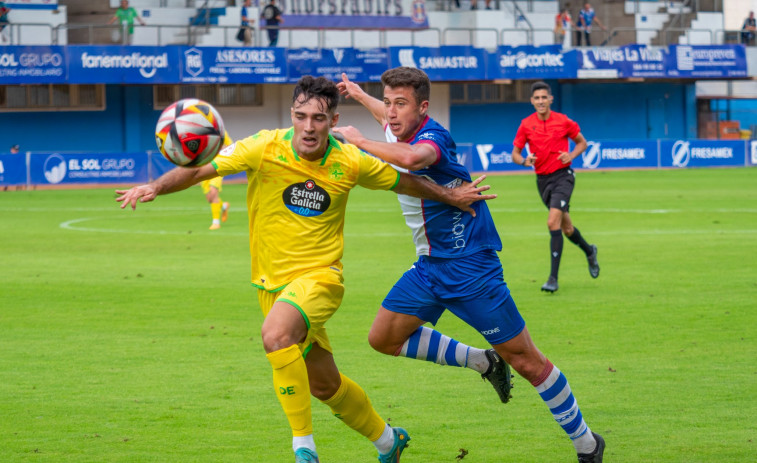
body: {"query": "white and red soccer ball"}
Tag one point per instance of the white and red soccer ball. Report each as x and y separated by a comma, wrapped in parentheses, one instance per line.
(190, 132)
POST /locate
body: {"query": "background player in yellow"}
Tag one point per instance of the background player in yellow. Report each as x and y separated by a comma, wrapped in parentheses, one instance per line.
(212, 188)
(299, 180)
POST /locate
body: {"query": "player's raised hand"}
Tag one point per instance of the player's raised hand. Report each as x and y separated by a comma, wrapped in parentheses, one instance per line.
(350, 133)
(470, 192)
(141, 193)
(348, 88)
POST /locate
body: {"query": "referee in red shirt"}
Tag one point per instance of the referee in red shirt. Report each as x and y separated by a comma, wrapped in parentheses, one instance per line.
(547, 133)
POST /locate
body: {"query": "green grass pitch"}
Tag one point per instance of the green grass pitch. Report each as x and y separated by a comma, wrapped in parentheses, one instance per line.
(135, 336)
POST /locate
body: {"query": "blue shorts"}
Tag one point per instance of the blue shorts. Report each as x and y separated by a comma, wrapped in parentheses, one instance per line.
(470, 287)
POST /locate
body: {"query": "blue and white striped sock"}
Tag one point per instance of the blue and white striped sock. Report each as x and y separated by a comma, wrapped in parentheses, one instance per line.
(432, 346)
(555, 391)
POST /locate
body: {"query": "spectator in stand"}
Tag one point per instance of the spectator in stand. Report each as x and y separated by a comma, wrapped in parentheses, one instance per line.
(247, 23)
(748, 29)
(474, 4)
(125, 15)
(4, 10)
(563, 25)
(272, 15)
(15, 149)
(586, 17)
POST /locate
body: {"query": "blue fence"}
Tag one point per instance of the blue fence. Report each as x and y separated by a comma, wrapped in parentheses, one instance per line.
(91, 64)
(46, 169)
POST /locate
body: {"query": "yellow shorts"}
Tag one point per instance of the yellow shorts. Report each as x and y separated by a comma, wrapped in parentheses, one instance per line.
(316, 295)
(216, 182)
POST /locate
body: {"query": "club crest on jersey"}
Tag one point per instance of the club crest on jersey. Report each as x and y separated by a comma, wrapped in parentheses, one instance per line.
(306, 199)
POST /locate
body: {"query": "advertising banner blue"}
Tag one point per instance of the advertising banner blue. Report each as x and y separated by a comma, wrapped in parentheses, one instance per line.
(109, 64)
(618, 154)
(702, 153)
(625, 61)
(12, 169)
(32, 65)
(70, 168)
(32, 4)
(706, 61)
(529, 62)
(217, 65)
(443, 63)
(359, 65)
(493, 158)
(753, 153)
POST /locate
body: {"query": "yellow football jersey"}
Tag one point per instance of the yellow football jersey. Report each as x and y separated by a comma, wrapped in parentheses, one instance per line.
(296, 207)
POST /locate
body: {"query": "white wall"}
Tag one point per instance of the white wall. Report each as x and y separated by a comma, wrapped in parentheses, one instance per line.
(36, 35)
(736, 11)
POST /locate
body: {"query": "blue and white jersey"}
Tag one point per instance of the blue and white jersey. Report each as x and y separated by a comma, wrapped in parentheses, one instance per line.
(587, 17)
(441, 230)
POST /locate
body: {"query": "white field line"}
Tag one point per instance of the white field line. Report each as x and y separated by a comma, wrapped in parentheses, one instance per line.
(76, 225)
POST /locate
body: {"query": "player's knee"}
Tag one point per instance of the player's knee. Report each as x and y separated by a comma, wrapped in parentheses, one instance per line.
(276, 339)
(379, 343)
(323, 388)
(568, 230)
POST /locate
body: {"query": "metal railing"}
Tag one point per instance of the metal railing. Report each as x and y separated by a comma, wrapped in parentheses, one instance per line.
(28, 33)
(216, 35)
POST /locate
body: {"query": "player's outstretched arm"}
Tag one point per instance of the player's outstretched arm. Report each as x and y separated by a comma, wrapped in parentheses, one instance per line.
(461, 196)
(410, 157)
(352, 90)
(174, 180)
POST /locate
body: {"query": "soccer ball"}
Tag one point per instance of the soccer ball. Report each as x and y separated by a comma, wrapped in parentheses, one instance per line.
(190, 132)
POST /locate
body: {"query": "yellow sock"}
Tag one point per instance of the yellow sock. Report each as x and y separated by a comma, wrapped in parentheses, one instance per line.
(215, 211)
(351, 405)
(290, 380)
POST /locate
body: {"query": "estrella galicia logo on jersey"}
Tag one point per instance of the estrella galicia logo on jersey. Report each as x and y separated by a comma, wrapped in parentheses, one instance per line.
(306, 199)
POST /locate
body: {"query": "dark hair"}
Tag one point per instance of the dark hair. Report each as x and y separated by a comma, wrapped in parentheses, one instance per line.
(317, 87)
(540, 86)
(409, 77)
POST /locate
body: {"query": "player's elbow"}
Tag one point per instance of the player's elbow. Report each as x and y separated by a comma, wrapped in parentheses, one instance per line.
(413, 162)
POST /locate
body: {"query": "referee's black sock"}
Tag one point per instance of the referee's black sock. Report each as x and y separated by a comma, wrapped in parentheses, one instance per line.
(579, 241)
(555, 248)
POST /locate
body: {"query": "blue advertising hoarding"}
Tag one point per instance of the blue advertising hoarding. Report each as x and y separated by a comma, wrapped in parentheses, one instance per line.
(529, 62)
(706, 61)
(12, 169)
(443, 63)
(702, 153)
(618, 154)
(493, 158)
(87, 168)
(219, 65)
(621, 62)
(33, 65)
(359, 65)
(109, 64)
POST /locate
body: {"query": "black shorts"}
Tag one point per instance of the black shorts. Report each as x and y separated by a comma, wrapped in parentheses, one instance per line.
(556, 188)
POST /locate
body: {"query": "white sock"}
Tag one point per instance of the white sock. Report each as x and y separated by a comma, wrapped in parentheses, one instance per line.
(386, 441)
(303, 441)
(477, 360)
(586, 443)
(216, 222)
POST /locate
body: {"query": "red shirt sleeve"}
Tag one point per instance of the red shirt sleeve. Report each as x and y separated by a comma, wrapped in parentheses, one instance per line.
(520, 137)
(571, 127)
